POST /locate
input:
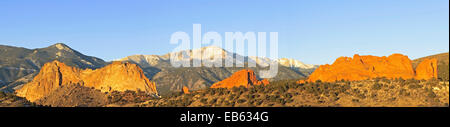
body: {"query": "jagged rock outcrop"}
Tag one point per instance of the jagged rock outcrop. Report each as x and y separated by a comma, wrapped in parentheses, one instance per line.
(186, 90)
(442, 64)
(368, 67)
(246, 78)
(117, 76)
(264, 82)
(427, 69)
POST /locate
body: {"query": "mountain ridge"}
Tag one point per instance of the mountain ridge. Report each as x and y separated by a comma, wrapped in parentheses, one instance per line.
(168, 78)
(21, 62)
(154, 60)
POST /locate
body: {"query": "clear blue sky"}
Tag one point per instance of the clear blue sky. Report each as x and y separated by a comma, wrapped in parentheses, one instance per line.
(313, 31)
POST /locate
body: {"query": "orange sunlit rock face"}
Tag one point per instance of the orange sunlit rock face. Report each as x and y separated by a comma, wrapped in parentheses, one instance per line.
(186, 90)
(117, 76)
(264, 82)
(368, 67)
(244, 78)
(427, 69)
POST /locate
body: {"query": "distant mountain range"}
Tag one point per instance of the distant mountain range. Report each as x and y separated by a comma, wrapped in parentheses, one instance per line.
(208, 52)
(19, 65)
(169, 78)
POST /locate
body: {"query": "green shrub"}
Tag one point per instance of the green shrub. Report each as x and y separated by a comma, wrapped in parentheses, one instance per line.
(240, 101)
(273, 98)
(287, 95)
(414, 86)
(250, 96)
(213, 101)
(282, 89)
(432, 82)
(412, 81)
(258, 102)
(281, 101)
(443, 75)
(252, 91)
(235, 89)
(401, 80)
(361, 96)
(231, 96)
(2, 95)
(404, 93)
(9, 95)
(211, 91)
(227, 103)
(431, 94)
(204, 100)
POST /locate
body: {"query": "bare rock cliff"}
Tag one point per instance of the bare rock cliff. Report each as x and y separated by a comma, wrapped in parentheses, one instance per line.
(246, 78)
(117, 76)
(368, 67)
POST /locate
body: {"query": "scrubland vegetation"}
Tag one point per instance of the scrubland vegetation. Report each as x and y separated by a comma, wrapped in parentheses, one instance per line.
(378, 92)
(11, 100)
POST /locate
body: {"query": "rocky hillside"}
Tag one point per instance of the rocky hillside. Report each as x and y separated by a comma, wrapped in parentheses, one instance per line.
(442, 65)
(114, 77)
(74, 96)
(377, 92)
(368, 67)
(17, 63)
(11, 100)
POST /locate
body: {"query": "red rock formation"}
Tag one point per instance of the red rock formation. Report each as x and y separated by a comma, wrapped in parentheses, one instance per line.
(244, 78)
(114, 77)
(427, 69)
(264, 82)
(186, 90)
(368, 67)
